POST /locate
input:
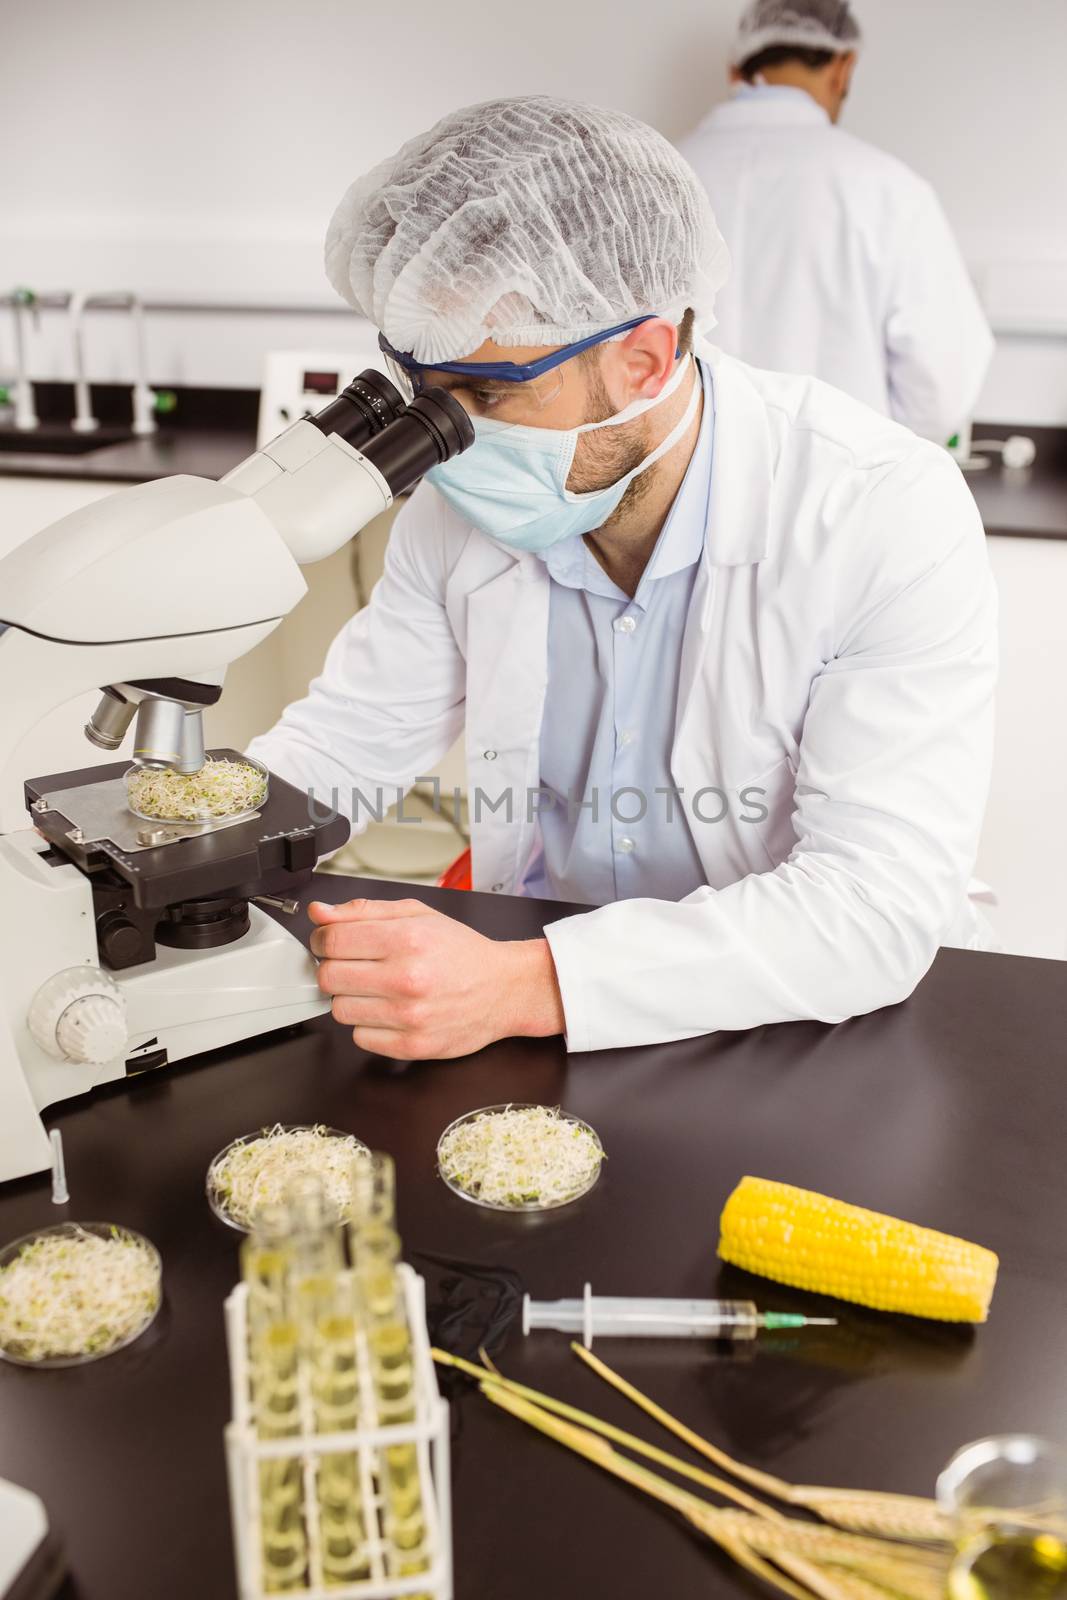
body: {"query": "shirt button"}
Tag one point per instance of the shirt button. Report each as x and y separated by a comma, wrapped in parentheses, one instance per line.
(497, 888)
(627, 737)
(626, 845)
(489, 755)
(625, 624)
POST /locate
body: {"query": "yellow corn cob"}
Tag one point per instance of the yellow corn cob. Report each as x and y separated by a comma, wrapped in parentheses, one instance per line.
(813, 1242)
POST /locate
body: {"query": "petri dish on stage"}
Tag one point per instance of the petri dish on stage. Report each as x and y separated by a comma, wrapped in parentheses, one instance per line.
(76, 1292)
(256, 1169)
(519, 1157)
(187, 808)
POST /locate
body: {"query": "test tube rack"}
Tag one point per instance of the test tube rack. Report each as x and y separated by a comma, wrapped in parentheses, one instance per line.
(245, 1452)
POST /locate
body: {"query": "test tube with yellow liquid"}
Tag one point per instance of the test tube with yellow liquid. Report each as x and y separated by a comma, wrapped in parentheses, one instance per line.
(385, 1324)
(373, 1195)
(274, 1353)
(325, 1296)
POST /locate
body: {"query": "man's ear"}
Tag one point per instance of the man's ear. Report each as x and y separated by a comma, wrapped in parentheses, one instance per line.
(842, 70)
(647, 356)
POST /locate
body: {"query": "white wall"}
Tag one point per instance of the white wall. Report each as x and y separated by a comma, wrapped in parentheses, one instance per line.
(196, 152)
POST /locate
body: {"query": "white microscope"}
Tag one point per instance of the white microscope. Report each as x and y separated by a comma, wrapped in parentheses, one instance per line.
(126, 945)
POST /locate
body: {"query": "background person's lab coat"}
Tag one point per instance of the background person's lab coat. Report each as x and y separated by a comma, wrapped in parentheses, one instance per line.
(839, 654)
(843, 264)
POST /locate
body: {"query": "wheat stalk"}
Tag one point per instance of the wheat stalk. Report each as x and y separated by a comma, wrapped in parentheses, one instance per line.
(739, 1552)
(770, 1548)
(875, 1547)
(602, 1454)
(896, 1516)
(490, 1376)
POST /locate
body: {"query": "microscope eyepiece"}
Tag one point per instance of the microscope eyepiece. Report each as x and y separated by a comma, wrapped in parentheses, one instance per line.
(372, 447)
(403, 441)
(368, 404)
(432, 429)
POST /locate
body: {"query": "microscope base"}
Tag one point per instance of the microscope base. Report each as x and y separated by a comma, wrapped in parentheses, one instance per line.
(179, 1005)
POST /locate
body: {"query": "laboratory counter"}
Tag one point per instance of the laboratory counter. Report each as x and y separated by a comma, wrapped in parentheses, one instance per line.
(947, 1110)
(201, 452)
(203, 432)
(1028, 502)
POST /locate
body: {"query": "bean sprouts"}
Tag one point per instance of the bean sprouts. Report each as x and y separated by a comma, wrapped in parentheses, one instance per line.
(519, 1156)
(221, 788)
(77, 1293)
(251, 1173)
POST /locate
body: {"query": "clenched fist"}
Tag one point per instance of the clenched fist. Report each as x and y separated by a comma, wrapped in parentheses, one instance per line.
(415, 984)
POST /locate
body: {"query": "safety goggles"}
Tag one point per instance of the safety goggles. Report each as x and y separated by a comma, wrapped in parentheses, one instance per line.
(540, 380)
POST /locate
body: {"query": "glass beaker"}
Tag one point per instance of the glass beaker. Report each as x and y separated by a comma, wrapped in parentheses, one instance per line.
(1008, 1497)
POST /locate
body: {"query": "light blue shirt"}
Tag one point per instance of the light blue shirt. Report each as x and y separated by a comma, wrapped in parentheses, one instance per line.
(610, 704)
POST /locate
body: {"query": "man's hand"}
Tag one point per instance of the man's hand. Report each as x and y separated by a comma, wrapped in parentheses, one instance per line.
(412, 983)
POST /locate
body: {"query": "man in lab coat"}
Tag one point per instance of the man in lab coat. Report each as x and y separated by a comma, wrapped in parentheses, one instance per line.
(722, 641)
(844, 265)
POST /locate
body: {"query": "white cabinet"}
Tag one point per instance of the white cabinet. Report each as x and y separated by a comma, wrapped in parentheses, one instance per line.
(1022, 852)
(28, 504)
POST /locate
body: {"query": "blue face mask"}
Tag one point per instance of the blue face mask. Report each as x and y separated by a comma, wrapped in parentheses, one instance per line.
(511, 483)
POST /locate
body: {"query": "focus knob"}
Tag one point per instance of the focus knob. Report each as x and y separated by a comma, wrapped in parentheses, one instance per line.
(119, 941)
(79, 1015)
(92, 1030)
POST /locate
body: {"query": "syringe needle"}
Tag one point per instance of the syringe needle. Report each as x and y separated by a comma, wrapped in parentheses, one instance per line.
(777, 1321)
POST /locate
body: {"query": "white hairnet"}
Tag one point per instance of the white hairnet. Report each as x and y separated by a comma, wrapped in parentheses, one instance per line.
(530, 221)
(810, 24)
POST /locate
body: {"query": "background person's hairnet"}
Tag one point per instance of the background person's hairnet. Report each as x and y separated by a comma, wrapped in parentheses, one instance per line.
(529, 222)
(809, 24)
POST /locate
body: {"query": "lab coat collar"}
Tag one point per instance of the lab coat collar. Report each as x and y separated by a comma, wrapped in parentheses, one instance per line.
(778, 105)
(739, 504)
(739, 510)
(684, 534)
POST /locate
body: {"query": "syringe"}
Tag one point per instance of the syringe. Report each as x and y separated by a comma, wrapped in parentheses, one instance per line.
(608, 1316)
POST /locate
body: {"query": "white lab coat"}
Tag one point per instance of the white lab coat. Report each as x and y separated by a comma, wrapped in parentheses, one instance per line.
(843, 263)
(838, 654)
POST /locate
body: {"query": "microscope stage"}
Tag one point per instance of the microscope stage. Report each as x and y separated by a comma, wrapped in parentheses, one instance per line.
(89, 824)
(99, 811)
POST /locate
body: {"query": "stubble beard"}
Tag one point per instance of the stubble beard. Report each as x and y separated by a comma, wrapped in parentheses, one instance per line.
(607, 455)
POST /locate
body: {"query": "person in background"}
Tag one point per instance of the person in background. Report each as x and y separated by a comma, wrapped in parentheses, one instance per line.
(844, 265)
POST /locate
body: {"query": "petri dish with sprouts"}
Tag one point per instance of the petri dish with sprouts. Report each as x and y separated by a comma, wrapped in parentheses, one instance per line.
(223, 790)
(258, 1169)
(519, 1157)
(76, 1292)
